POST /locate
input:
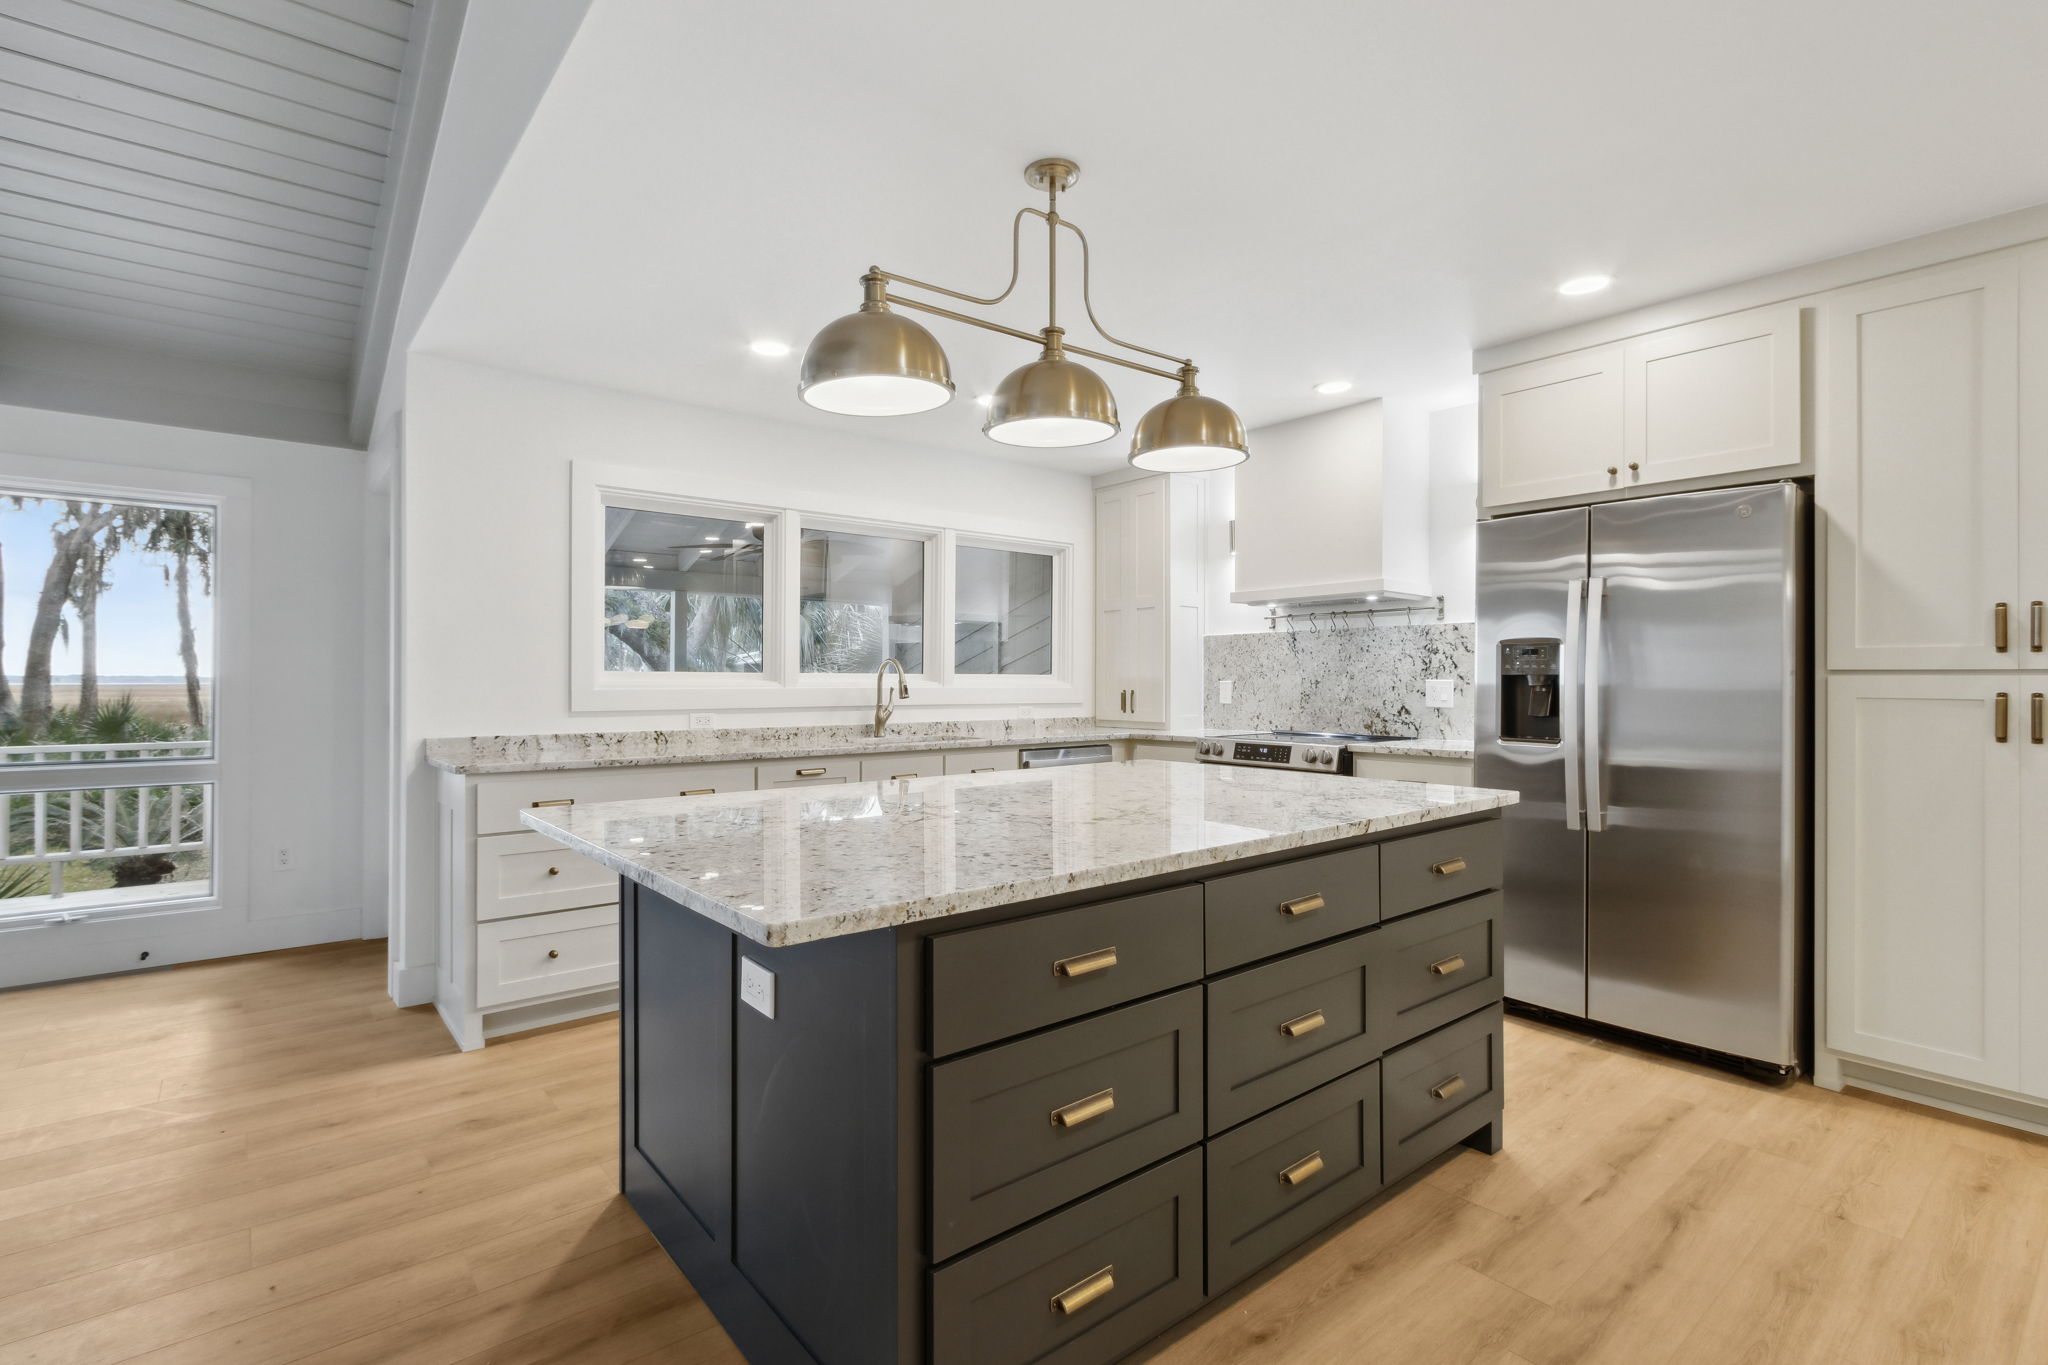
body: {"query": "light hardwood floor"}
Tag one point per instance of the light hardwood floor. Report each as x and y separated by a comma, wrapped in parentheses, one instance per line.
(259, 1161)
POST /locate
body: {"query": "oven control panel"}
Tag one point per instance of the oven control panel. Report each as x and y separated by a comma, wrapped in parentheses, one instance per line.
(1265, 753)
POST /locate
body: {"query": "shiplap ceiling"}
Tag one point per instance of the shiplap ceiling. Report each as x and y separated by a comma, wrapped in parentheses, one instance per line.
(196, 177)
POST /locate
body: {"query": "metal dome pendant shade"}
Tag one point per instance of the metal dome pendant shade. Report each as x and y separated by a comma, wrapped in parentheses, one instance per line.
(877, 363)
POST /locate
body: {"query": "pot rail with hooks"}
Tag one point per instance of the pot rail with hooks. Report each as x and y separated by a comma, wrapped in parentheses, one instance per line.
(1337, 616)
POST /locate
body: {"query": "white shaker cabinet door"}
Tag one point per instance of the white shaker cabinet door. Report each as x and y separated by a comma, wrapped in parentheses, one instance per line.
(1114, 587)
(1717, 397)
(2030, 735)
(1920, 481)
(1923, 874)
(2031, 615)
(1551, 428)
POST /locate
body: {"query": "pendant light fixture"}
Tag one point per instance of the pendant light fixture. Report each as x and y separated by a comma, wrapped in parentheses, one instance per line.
(877, 363)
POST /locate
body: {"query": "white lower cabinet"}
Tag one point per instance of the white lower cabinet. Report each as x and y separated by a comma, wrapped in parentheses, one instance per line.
(542, 955)
(981, 761)
(1932, 893)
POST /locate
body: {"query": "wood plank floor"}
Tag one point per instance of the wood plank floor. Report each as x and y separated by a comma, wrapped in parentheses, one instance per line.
(259, 1161)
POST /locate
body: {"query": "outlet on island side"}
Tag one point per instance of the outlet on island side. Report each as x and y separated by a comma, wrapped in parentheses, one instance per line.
(282, 859)
(757, 986)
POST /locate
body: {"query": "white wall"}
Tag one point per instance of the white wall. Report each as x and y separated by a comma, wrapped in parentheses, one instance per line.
(484, 602)
(292, 719)
(1454, 508)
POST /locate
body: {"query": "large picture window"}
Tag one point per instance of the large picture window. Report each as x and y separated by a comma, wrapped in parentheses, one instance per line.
(683, 604)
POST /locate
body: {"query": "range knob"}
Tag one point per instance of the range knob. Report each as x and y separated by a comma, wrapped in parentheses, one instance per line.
(1326, 757)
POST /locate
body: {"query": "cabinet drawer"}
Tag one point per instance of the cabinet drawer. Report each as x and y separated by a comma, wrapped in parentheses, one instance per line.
(1007, 979)
(570, 950)
(1282, 1028)
(1429, 869)
(531, 874)
(1439, 1090)
(1084, 1286)
(1437, 966)
(1027, 1126)
(889, 766)
(1250, 915)
(808, 772)
(1275, 1180)
(500, 799)
(981, 761)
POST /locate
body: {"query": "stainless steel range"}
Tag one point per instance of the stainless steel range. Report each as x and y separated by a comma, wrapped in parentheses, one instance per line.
(1313, 751)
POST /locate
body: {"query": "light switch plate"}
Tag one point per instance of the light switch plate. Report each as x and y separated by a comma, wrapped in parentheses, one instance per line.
(1223, 688)
(1438, 692)
(757, 986)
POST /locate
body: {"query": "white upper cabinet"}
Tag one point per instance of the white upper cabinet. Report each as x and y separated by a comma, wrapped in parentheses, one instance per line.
(1924, 861)
(2031, 616)
(1551, 428)
(1714, 397)
(1921, 485)
(1700, 402)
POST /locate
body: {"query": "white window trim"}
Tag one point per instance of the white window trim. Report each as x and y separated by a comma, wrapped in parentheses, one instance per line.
(228, 770)
(781, 686)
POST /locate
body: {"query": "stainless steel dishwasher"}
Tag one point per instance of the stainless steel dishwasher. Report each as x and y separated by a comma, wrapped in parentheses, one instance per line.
(1063, 756)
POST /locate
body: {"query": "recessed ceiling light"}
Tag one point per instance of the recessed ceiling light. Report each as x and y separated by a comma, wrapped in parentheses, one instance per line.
(639, 559)
(1330, 386)
(1585, 284)
(714, 539)
(774, 350)
(984, 399)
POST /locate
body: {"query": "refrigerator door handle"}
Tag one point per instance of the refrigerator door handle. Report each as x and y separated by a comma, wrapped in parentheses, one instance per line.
(1569, 689)
(1596, 799)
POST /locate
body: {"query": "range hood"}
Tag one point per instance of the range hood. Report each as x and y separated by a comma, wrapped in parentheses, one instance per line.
(1326, 514)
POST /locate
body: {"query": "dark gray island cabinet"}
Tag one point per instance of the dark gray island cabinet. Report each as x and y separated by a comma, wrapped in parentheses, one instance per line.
(963, 1128)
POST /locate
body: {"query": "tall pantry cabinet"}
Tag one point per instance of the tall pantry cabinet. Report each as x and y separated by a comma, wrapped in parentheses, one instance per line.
(1933, 488)
(1148, 604)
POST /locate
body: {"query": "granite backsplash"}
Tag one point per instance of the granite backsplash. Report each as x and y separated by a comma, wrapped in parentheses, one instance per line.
(1359, 679)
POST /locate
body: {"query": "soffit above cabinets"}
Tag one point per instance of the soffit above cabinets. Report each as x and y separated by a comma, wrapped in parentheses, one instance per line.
(200, 178)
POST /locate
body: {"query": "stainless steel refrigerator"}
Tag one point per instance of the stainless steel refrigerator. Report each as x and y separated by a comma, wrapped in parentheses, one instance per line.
(1642, 682)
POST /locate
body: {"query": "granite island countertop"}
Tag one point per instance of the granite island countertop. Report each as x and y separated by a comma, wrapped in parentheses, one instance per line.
(792, 866)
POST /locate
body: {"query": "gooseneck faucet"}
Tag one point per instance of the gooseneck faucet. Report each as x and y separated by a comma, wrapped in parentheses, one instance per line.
(885, 703)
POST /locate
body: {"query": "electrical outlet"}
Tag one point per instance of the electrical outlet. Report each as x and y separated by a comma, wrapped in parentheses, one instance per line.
(1439, 692)
(1223, 689)
(702, 720)
(282, 859)
(1027, 713)
(757, 986)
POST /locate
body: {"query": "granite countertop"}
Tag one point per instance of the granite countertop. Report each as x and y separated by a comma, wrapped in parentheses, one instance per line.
(1417, 748)
(796, 865)
(478, 755)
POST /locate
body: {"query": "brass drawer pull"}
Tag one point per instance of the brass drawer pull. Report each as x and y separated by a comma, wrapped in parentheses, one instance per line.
(699, 791)
(1307, 1023)
(2037, 626)
(1449, 867)
(1307, 1168)
(810, 772)
(1081, 964)
(1444, 1089)
(558, 801)
(2040, 719)
(981, 770)
(903, 777)
(1081, 1111)
(1445, 966)
(554, 952)
(2001, 714)
(1079, 1295)
(2001, 627)
(1302, 905)
(554, 872)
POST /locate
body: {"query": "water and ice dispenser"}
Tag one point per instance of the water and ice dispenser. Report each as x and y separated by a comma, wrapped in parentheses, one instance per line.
(1529, 704)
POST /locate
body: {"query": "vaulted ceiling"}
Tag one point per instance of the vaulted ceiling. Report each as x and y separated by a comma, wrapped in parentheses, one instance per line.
(203, 178)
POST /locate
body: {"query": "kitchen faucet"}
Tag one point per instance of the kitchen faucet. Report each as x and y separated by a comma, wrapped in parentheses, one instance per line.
(885, 705)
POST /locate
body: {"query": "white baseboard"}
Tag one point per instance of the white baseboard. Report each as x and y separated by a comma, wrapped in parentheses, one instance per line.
(552, 1012)
(1988, 1106)
(66, 952)
(410, 986)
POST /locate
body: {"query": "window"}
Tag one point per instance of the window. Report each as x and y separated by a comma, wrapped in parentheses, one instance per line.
(683, 593)
(861, 599)
(106, 658)
(1003, 611)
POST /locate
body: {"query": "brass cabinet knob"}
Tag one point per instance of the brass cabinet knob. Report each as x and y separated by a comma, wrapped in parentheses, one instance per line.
(1304, 1024)
(1079, 1295)
(1307, 1168)
(1634, 468)
(554, 952)
(1612, 470)
(1302, 905)
(554, 872)
(1082, 964)
(1083, 1110)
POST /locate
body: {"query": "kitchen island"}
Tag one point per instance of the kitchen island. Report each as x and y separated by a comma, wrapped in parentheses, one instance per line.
(1029, 1065)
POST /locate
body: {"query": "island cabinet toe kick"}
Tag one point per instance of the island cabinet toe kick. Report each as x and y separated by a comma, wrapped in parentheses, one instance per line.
(1048, 1131)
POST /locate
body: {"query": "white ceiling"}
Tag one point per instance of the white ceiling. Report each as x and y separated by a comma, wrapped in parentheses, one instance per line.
(1288, 192)
(202, 176)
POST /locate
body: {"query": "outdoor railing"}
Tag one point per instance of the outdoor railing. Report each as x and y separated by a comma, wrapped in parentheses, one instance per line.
(99, 753)
(73, 824)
